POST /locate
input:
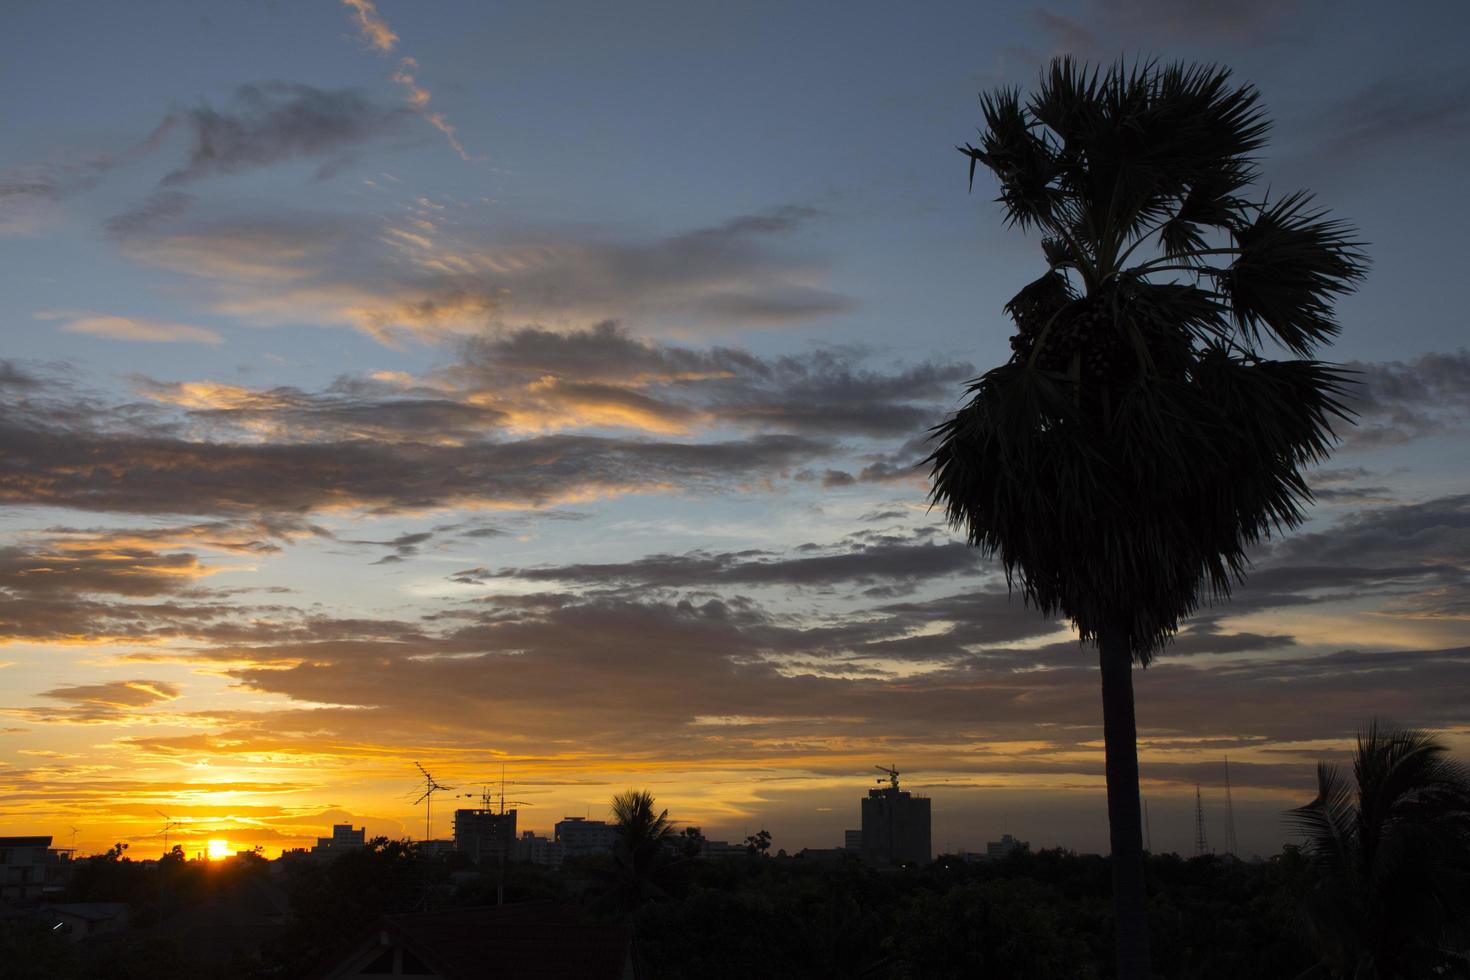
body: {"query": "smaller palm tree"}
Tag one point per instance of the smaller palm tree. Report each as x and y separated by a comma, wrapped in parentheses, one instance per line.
(1390, 897)
(644, 845)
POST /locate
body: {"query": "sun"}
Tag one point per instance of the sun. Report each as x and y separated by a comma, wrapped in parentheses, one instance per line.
(219, 850)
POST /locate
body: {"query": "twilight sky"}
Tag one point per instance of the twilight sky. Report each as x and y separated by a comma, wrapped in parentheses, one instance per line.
(541, 384)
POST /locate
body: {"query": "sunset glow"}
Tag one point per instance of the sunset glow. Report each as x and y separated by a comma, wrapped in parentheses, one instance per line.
(512, 423)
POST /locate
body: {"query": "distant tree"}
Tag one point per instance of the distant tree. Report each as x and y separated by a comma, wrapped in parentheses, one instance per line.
(1137, 442)
(758, 843)
(691, 842)
(114, 853)
(1391, 848)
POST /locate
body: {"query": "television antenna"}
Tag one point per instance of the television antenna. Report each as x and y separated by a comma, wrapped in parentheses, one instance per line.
(168, 824)
(892, 772)
(427, 799)
(74, 842)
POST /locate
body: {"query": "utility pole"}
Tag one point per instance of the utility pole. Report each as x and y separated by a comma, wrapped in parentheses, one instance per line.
(1234, 848)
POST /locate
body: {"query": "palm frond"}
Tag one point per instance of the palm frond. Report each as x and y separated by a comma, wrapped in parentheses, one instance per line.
(1330, 822)
(1293, 263)
(1135, 447)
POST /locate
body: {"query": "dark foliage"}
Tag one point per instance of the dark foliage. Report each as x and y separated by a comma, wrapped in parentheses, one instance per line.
(1390, 852)
(1138, 443)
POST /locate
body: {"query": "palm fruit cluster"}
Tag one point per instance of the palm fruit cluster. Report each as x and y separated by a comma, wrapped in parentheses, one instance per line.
(1090, 327)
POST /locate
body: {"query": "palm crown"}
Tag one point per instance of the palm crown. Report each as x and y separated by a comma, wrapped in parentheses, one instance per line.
(1391, 848)
(1137, 442)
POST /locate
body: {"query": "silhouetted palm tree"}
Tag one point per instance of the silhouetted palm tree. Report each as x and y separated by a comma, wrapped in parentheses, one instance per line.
(1392, 895)
(1137, 443)
(643, 848)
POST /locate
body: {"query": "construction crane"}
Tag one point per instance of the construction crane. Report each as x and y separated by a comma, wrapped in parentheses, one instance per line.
(892, 776)
(427, 799)
(486, 796)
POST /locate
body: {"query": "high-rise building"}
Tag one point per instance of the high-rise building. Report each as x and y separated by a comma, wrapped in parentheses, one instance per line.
(896, 826)
(852, 840)
(484, 834)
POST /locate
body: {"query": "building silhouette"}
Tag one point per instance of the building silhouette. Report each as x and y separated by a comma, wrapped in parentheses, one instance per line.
(536, 849)
(31, 869)
(579, 836)
(997, 849)
(344, 838)
(485, 834)
(896, 825)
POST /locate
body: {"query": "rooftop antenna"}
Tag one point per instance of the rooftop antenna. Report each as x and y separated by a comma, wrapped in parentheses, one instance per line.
(1230, 843)
(892, 772)
(73, 842)
(1201, 846)
(168, 824)
(427, 799)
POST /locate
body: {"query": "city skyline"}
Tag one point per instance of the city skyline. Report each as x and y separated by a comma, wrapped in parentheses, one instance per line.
(387, 385)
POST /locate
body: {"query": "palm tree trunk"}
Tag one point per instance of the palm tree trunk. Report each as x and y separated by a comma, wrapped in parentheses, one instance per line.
(1125, 824)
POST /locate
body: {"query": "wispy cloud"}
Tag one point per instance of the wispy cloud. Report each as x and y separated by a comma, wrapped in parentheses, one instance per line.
(376, 33)
(428, 273)
(371, 26)
(271, 122)
(419, 98)
(133, 328)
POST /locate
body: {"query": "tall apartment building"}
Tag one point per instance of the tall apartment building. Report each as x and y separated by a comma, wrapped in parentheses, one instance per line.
(896, 826)
(485, 834)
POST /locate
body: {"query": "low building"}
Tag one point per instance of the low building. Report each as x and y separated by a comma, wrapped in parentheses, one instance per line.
(484, 835)
(529, 939)
(436, 848)
(828, 855)
(344, 838)
(997, 849)
(31, 869)
(79, 920)
(580, 837)
(535, 849)
(721, 849)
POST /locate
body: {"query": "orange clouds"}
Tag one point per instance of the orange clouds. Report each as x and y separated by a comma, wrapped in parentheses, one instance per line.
(134, 329)
(371, 26)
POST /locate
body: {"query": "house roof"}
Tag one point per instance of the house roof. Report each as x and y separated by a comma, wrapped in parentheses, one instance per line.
(93, 911)
(527, 940)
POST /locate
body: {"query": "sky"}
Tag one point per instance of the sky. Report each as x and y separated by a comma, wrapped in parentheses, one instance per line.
(539, 389)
